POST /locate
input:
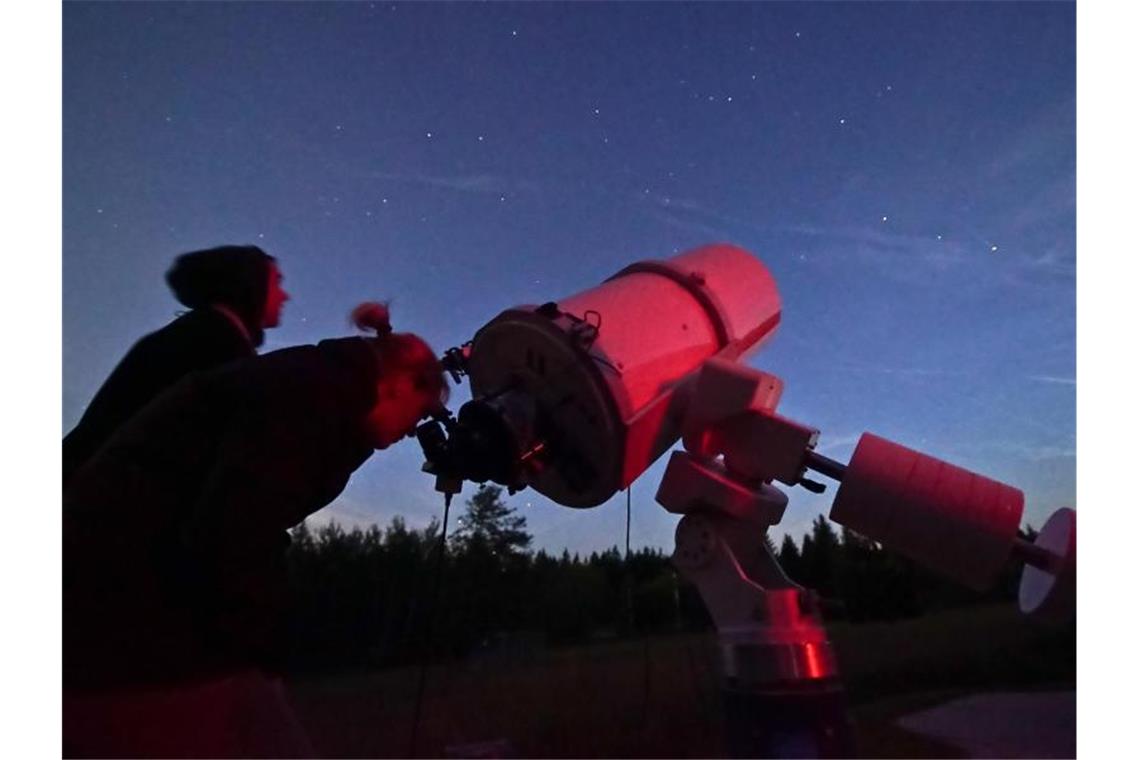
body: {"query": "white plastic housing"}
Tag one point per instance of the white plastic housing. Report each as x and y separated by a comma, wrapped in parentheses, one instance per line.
(947, 518)
(607, 365)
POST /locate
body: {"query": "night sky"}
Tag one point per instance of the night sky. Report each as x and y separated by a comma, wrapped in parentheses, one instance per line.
(906, 170)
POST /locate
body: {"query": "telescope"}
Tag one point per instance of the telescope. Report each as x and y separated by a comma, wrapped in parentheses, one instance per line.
(575, 398)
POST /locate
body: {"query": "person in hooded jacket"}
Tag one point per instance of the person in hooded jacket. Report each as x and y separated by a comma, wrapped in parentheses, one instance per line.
(233, 293)
(175, 538)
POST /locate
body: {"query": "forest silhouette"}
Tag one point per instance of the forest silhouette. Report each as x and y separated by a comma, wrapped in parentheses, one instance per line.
(369, 598)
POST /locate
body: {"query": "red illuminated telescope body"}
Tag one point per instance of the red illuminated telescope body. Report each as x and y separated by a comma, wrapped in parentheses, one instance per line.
(597, 386)
(609, 367)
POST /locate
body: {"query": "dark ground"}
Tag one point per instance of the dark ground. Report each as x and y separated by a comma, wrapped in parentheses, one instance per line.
(658, 697)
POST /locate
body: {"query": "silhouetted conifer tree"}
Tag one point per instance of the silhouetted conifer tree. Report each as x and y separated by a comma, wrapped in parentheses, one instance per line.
(789, 557)
(491, 524)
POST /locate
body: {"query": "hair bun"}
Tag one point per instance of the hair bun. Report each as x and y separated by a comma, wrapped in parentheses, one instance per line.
(372, 315)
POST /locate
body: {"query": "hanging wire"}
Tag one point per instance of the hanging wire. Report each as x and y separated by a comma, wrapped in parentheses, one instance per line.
(632, 618)
(431, 625)
(627, 490)
(435, 598)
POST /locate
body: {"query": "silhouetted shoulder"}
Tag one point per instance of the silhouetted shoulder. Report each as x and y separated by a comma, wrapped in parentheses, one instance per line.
(198, 340)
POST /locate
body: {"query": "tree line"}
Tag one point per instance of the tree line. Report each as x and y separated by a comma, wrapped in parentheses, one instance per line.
(383, 596)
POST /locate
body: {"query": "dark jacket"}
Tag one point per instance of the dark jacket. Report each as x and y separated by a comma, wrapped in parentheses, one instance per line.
(175, 533)
(200, 339)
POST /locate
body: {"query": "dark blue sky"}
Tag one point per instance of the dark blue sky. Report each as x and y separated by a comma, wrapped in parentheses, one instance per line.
(906, 170)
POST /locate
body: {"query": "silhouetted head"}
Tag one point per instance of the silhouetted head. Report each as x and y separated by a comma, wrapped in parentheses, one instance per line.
(243, 278)
(412, 382)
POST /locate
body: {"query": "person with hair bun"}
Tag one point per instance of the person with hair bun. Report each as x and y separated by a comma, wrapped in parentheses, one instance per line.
(175, 538)
(233, 292)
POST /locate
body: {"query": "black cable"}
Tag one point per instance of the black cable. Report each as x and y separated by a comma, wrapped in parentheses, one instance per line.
(627, 490)
(628, 568)
(431, 624)
(632, 623)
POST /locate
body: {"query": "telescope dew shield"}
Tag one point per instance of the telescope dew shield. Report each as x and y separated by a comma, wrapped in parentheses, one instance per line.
(949, 519)
(607, 366)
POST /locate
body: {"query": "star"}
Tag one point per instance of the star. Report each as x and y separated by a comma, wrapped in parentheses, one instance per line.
(843, 121)
(480, 138)
(429, 135)
(884, 219)
(993, 249)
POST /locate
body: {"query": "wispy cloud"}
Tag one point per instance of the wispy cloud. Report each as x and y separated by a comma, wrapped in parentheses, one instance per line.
(1029, 451)
(350, 512)
(832, 443)
(1038, 138)
(1053, 379)
(490, 184)
(378, 169)
(1050, 202)
(688, 214)
(913, 259)
(885, 238)
(902, 256)
(849, 366)
(346, 514)
(690, 225)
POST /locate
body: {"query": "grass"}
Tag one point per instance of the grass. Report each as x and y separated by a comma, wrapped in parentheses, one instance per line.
(659, 697)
